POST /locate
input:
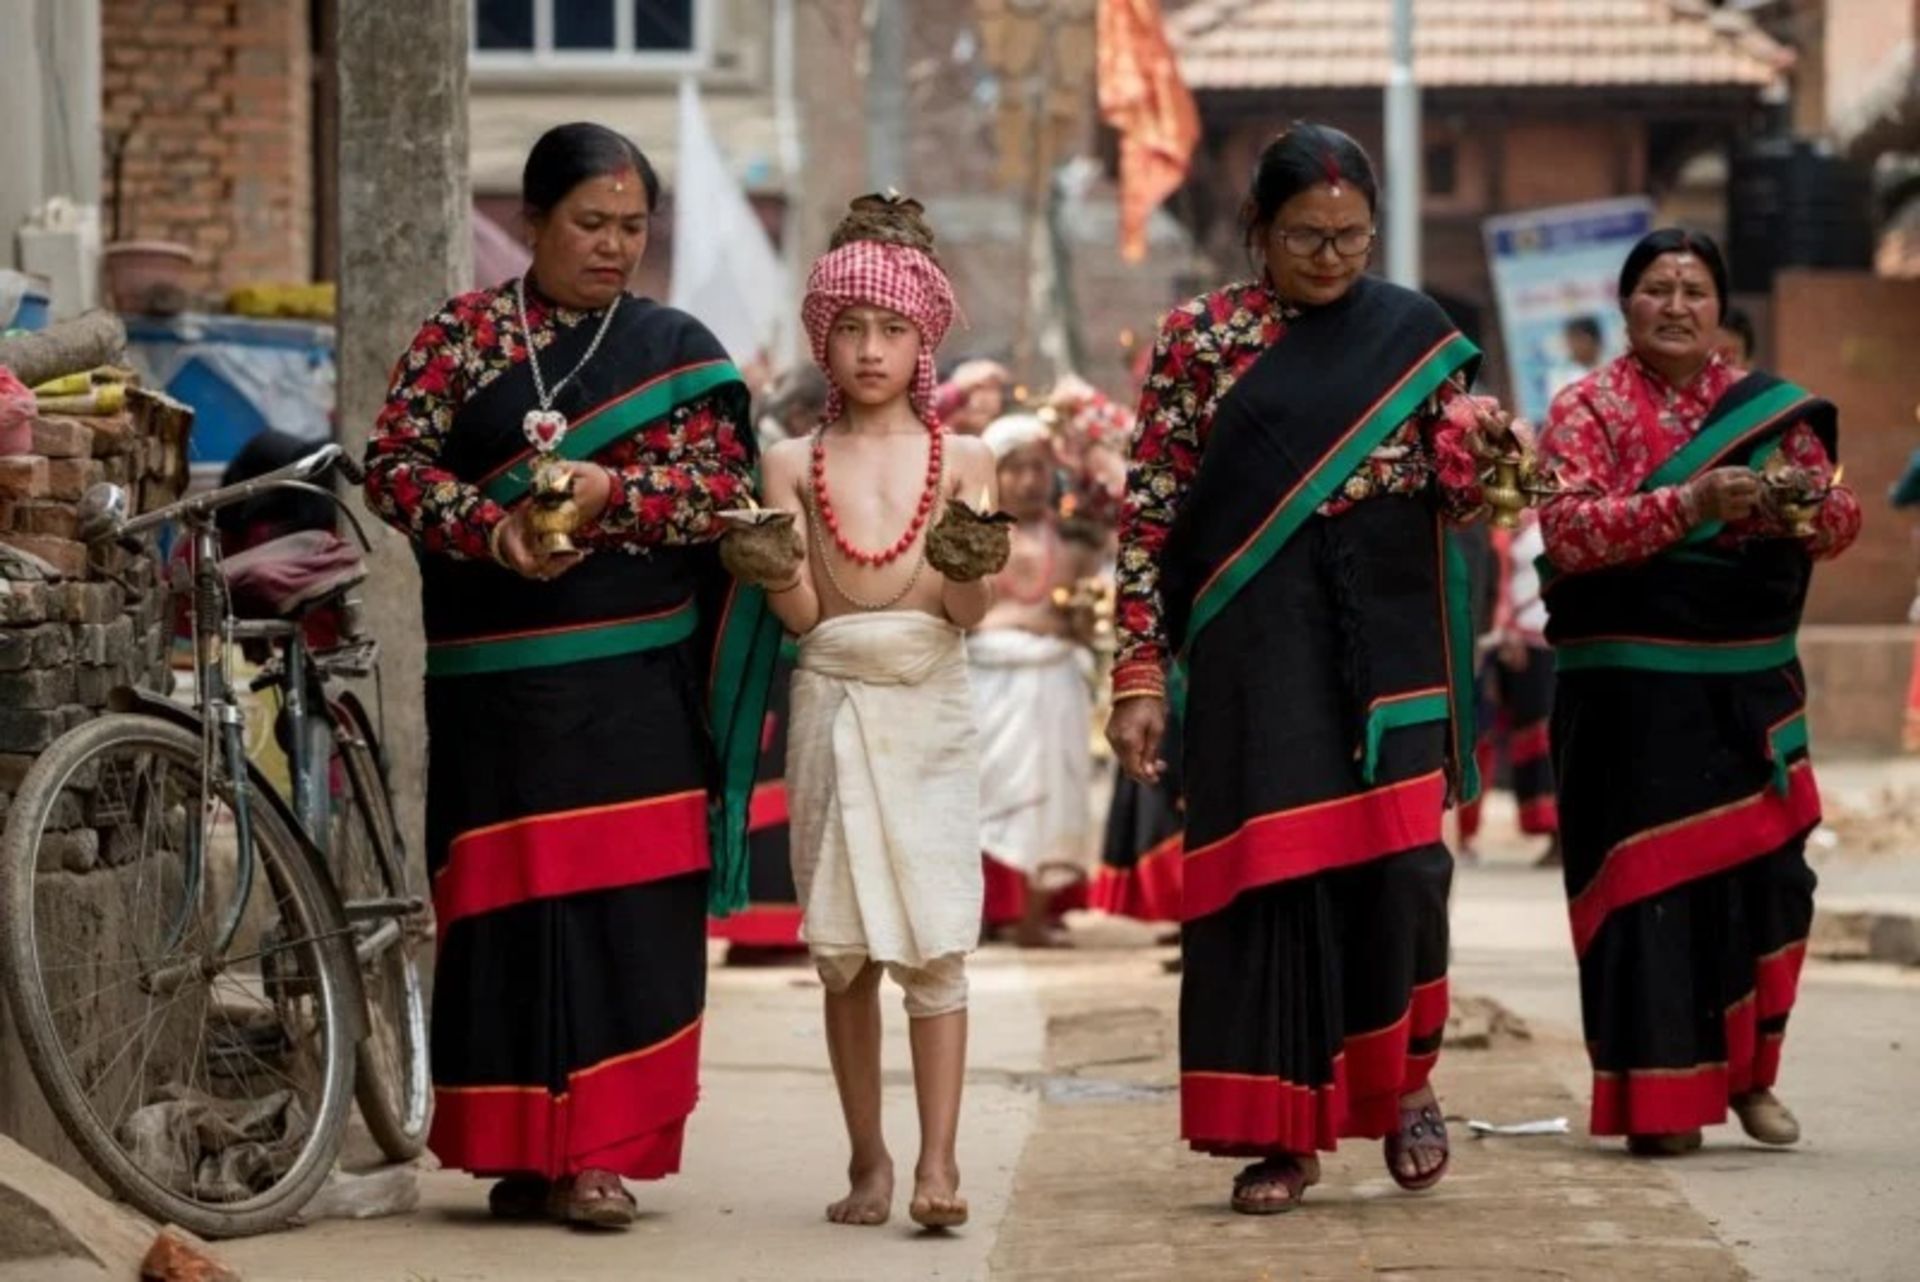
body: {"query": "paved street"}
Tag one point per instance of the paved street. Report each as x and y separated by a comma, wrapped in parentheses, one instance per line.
(1070, 1162)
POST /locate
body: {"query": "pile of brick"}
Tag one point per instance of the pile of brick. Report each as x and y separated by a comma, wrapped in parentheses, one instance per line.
(75, 623)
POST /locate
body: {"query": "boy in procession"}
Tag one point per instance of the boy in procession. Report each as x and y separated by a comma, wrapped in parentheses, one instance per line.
(883, 762)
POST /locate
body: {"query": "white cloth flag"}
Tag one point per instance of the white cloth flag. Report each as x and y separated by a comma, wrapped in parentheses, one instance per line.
(725, 271)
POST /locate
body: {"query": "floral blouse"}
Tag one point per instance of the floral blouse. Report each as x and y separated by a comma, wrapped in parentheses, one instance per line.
(1205, 346)
(671, 476)
(1608, 432)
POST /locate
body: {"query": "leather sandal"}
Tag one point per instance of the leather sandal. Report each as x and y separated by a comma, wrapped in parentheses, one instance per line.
(593, 1199)
(1422, 1130)
(1269, 1173)
(1764, 1118)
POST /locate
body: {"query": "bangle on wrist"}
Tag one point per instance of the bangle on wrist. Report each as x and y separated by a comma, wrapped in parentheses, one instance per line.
(1121, 696)
(785, 588)
(494, 536)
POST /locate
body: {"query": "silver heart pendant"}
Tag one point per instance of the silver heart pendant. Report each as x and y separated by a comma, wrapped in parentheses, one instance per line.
(544, 429)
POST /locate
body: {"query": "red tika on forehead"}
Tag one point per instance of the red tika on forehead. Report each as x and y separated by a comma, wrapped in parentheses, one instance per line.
(898, 278)
(1331, 167)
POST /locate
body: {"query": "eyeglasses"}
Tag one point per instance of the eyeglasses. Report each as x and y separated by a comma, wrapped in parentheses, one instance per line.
(1348, 242)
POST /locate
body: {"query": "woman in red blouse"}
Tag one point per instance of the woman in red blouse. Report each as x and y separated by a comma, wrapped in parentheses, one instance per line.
(1678, 566)
(575, 764)
(1301, 439)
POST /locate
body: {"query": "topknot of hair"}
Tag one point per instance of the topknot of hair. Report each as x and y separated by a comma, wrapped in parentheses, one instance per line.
(887, 218)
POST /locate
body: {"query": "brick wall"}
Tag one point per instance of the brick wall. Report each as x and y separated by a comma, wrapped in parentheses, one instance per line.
(69, 635)
(214, 100)
(1850, 337)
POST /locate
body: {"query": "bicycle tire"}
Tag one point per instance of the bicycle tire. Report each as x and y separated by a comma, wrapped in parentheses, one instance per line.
(398, 1113)
(293, 882)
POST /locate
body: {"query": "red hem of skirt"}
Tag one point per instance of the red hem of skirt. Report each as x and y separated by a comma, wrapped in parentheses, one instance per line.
(1148, 891)
(1304, 840)
(759, 926)
(1669, 1101)
(1248, 1115)
(624, 1115)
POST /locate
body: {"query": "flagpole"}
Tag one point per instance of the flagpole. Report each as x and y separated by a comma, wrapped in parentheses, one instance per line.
(1404, 189)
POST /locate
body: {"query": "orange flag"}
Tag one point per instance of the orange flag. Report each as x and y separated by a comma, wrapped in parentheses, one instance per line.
(1142, 96)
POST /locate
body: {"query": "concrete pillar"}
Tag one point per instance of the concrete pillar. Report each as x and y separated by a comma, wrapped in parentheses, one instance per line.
(22, 138)
(405, 247)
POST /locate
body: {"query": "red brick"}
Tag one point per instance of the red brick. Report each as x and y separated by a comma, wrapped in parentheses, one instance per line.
(23, 476)
(64, 555)
(68, 478)
(62, 438)
(60, 520)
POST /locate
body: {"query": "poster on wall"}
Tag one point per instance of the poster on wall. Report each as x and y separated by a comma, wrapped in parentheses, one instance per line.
(1556, 275)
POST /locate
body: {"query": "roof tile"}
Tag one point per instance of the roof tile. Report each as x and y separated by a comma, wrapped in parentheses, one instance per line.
(1267, 44)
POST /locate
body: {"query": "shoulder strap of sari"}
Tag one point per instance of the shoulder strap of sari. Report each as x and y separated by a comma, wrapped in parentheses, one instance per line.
(1299, 422)
(1744, 425)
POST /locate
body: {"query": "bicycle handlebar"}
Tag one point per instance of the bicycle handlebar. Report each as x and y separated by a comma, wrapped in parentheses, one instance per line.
(323, 460)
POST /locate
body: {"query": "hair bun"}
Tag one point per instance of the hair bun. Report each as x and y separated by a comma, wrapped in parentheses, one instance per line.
(887, 218)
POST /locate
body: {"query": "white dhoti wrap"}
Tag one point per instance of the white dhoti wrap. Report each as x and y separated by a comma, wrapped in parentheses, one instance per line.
(883, 783)
(1035, 713)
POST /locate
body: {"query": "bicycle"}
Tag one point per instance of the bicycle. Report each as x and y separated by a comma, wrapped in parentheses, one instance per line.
(199, 967)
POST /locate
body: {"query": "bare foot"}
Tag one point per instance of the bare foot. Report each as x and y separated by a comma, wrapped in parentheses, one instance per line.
(937, 1203)
(869, 1202)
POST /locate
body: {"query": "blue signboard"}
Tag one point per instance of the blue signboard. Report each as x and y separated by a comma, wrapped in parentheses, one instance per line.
(1553, 267)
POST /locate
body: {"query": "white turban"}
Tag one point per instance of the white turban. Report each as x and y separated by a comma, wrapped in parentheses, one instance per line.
(1011, 432)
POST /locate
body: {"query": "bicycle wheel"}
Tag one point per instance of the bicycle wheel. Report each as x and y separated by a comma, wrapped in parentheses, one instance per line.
(189, 1023)
(390, 1080)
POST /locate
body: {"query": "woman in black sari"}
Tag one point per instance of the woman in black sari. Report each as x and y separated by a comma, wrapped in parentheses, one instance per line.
(1675, 579)
(594, 715)
(1301, 440)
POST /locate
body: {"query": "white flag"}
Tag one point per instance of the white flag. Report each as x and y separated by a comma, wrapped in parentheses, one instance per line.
(725, 270)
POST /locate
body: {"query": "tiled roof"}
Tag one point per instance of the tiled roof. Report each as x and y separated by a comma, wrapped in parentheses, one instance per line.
(1343, 44)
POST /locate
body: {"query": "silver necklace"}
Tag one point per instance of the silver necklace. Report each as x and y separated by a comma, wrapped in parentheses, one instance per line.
(546, 427)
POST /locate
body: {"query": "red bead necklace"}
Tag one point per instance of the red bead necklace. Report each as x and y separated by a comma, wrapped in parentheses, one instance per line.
(936, 445)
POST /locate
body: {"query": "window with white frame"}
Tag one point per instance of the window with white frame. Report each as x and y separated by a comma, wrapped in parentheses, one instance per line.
(668, 34)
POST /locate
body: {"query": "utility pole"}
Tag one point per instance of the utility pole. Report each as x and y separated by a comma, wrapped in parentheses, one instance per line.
(405, 247)
(1404, 187)
(886, 23)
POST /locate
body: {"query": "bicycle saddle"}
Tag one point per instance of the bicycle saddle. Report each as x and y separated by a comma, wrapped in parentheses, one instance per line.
(282, 577)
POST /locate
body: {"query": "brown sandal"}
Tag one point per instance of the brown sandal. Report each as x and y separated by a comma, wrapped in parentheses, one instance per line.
(1422, 1129)
(1269, 1173)
(1671, 1144)
(593, 1199)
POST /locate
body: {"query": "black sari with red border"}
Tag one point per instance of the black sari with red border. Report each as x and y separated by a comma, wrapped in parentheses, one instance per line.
(1328, 670)
(1686, 794)
(585, 773)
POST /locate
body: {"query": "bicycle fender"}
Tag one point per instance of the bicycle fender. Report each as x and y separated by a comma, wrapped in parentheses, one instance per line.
(128, 699)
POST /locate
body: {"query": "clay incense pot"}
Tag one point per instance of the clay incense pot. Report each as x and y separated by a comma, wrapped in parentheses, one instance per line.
(968, 542)
(761, 544)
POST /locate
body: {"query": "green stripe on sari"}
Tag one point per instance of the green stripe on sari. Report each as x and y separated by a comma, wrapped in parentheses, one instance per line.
(613, 421)
(1785, 739)
(1457, 596)
(1717, 438)
(568, 645)
(1651, 654)
(1396, 712)
(1421, 382)
(744, 654)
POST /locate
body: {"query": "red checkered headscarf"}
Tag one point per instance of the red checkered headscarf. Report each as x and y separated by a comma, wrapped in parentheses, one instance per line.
(867, 273)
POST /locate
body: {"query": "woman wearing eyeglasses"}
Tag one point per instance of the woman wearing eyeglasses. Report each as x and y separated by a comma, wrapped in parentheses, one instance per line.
(1301, 440)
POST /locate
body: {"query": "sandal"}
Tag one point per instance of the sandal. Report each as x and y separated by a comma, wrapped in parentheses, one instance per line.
(519, 1197)
(1672, 1144)
(1267, 1174)
(1422, 1130)
(593, 1199)
(1764, 1118)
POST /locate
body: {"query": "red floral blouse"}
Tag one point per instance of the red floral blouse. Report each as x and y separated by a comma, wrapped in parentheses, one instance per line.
(1608, 432)
(671, 476)
(1203, 348)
